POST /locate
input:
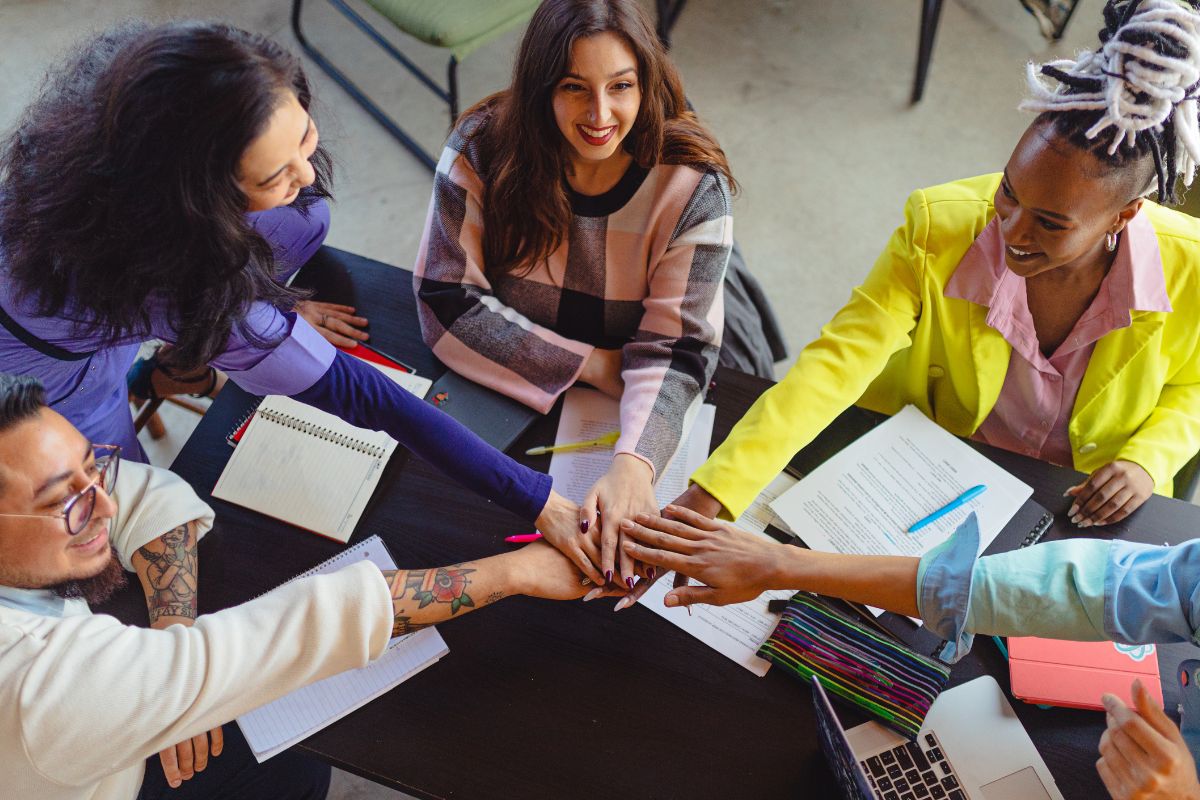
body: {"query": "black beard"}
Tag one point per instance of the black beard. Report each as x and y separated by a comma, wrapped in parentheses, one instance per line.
(96, 589)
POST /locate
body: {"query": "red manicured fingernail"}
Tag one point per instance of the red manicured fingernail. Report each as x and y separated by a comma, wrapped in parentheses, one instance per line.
(629, 582)
(651, 573)
(584, 525)
(608, 576)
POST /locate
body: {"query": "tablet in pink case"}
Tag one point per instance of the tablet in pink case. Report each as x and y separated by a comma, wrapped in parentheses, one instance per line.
(1077, 674)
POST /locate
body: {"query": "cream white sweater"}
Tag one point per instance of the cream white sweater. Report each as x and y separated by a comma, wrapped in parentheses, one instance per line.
(84, 700)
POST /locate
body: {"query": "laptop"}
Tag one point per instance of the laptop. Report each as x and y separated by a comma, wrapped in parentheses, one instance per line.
(971, 747)
(1077, 674)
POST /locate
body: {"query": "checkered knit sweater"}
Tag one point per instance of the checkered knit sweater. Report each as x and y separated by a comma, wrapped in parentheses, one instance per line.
(640, 269)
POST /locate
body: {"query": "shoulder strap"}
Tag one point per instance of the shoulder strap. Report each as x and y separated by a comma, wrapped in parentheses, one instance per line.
(43, 347)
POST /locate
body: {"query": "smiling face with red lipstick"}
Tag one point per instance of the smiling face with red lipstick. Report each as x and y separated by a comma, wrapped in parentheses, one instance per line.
(596, 104)
(1057, 205)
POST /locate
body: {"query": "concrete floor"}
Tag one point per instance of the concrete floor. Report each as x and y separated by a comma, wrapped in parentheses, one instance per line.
(808, 97)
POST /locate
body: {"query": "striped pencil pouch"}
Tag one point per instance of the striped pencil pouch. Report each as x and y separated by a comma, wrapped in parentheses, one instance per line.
(877, 673)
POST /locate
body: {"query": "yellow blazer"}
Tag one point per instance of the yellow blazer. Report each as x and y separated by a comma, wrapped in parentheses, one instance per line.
(900, 341)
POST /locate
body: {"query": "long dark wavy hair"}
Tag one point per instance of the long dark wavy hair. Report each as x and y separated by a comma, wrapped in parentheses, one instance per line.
(119, 186)
(526, 211)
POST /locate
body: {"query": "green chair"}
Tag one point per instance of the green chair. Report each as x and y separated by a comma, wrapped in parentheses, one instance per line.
(459, 26)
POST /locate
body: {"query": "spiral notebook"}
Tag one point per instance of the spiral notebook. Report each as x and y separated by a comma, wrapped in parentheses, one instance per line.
(274, 727)
(303, 466)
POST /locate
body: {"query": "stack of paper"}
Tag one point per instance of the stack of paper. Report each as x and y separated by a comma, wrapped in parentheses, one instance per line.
(278, 725)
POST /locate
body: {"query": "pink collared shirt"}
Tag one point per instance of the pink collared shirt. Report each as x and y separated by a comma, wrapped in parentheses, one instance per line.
(1033, 410)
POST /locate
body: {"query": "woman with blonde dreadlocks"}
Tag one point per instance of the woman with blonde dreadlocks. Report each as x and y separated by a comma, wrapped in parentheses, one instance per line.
(1050, 309)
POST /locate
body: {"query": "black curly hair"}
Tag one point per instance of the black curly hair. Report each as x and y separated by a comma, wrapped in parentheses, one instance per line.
(119, 185)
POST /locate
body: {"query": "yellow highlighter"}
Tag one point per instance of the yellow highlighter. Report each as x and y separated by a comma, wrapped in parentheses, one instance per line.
(607, 440)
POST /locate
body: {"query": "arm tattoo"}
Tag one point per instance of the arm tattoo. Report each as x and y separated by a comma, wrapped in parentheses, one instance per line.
(169, 569)
(440, 585)
(404, 625)
(427, 587)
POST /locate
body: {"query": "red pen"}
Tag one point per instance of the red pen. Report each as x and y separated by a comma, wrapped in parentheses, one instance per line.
(523, 538)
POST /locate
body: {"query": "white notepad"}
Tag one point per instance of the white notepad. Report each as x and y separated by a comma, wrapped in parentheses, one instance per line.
(301, 465)
(282, 723)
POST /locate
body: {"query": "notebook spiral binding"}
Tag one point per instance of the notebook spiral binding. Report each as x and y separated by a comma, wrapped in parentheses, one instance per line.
(1038, 530)
(288, 421)
(231, 438)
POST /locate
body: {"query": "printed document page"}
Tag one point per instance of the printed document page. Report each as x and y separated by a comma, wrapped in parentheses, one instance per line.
(864, 499)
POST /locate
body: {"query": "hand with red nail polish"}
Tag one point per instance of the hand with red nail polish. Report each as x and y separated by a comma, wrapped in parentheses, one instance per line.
(623, 492)
(562, 525)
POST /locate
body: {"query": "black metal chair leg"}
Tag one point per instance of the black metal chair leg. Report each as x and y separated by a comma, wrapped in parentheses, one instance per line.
(452, 84)
(931, 10)
(668, 13)
(357, 94)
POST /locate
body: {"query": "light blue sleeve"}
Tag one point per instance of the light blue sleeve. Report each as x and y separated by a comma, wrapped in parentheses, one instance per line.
(944, 580)
(1152, 594)
(1054, 590)
(1080, 590)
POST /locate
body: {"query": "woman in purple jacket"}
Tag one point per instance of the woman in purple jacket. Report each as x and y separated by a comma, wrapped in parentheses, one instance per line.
(163, 185)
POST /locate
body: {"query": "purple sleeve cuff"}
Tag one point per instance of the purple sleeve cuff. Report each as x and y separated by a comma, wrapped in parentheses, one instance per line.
(291, 366)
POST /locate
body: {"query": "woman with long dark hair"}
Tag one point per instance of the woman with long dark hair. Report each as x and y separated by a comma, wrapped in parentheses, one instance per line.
(161, 185)
(579, 231)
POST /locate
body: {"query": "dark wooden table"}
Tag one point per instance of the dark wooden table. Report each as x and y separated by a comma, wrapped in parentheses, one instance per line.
(554, 700)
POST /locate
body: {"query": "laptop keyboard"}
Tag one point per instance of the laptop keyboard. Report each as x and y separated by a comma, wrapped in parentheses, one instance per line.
(914, 771)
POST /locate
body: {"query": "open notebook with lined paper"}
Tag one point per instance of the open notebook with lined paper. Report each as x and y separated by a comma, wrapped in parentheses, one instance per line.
(301, 465)
(282, 723)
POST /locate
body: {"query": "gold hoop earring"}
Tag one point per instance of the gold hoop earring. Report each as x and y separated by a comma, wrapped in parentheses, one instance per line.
(1110, 241)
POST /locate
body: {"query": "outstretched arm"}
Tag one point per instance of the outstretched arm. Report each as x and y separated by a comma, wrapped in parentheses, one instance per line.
(1077, 589)
(736, 566)
(424, 597)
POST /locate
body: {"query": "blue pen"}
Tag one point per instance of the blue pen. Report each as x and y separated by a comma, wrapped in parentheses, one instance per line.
(961, 500)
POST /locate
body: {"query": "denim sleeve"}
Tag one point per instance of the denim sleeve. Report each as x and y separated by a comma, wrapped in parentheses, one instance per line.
(1080, 590)
(365, 397)
(944, 583)
(1152, 593)
(1055, 590)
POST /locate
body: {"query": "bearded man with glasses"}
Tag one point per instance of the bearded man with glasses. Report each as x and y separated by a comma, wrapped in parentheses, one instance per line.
(91, 708)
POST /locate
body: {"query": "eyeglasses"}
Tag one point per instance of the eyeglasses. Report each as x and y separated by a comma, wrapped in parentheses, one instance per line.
(77, 509)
